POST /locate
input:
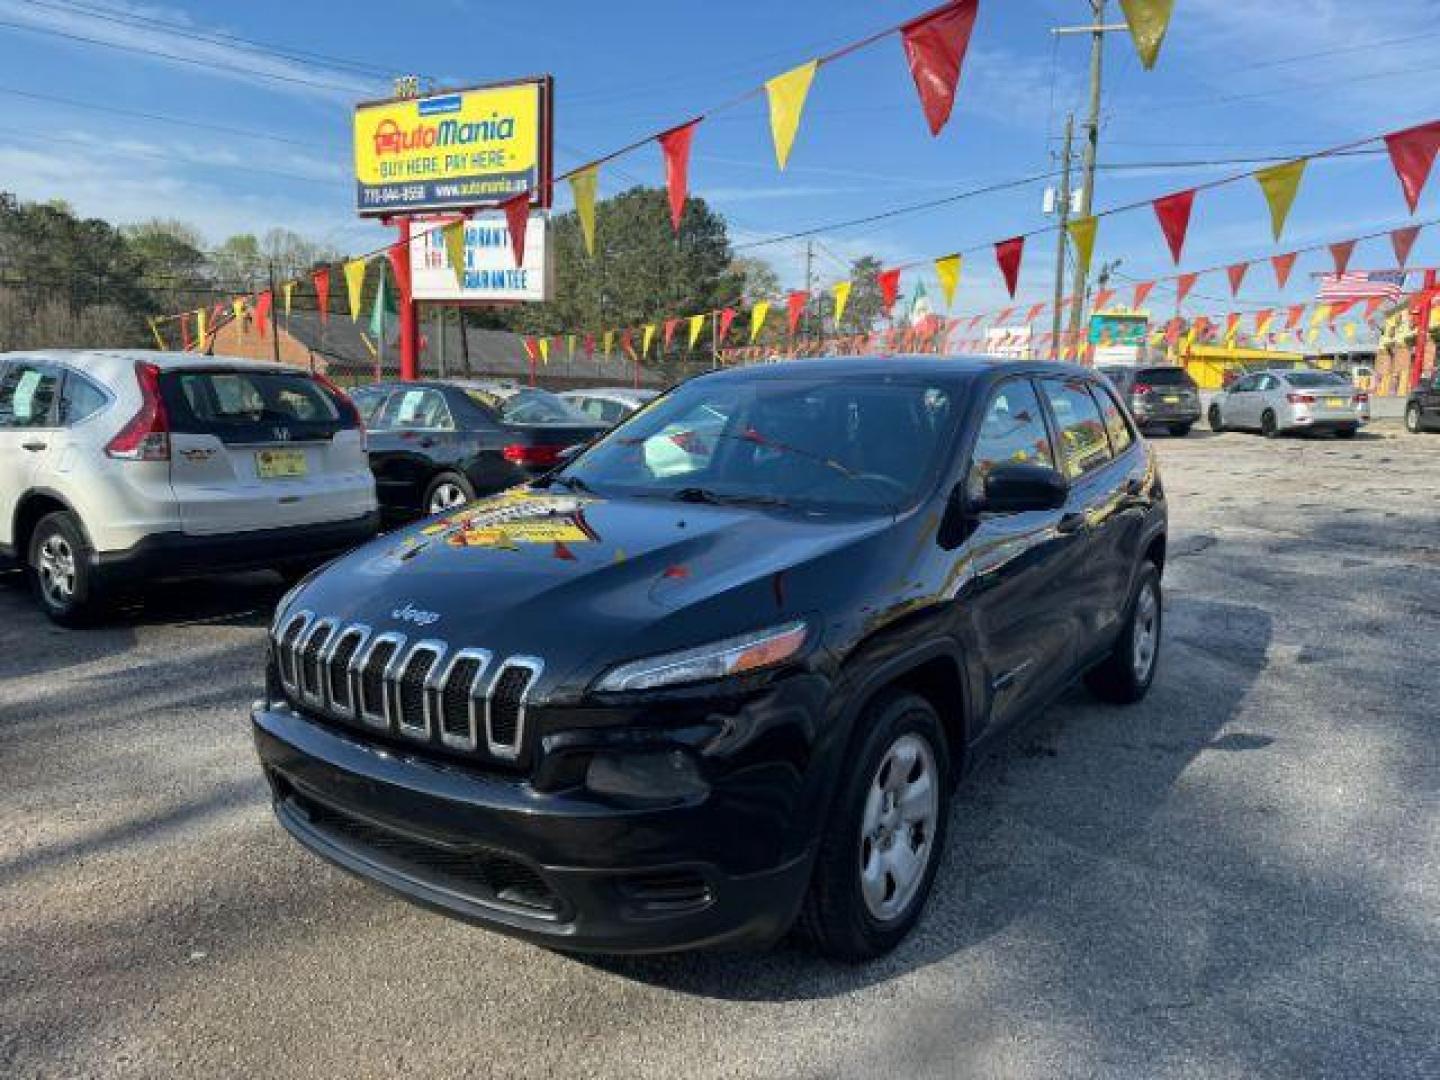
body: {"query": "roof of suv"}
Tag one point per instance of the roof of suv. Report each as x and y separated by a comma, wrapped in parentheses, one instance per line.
(165, 361)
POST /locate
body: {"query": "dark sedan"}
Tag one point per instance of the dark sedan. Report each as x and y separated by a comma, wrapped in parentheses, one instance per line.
(438, 445)
(1422, 410)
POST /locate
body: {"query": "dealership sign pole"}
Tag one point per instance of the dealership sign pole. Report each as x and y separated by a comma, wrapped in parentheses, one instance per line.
(453, 153)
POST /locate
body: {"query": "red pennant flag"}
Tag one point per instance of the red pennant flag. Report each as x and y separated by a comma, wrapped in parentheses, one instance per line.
(1183, 284)
(1173, 212)
(1373, 305)
(1172, 331)
(935, 46)
(1341, 254)
(1340, 307)
(321, 280)
(675, 144)
(889, 282)
(727, 316)
(627, 344)
(589, 346)
(796, 302)
(517, 218)
(1004, 316)
(262, 311)
(1232, 323)
(670, 325)
(1283, 264)
(1292, 320)
(1103, 298)
(399, 256)
(1236, 274)
(975, 320)
(1008, 254)
(1142, 293)
(1263, 316)
(1412, 152)
(1034, 312)
(1403, 240)
(532, 348)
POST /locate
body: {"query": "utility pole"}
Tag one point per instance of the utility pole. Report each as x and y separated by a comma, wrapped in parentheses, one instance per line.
(274, 332)
(1062, 206)
(1097, 31)
(809, 272)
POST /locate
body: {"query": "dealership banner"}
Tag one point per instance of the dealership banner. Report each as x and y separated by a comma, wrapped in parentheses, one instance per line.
(490, 273)
(464, 148)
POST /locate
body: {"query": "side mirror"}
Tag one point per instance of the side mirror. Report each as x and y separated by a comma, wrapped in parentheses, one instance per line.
(1016, 489)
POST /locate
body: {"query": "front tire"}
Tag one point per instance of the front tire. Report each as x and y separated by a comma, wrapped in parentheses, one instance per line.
(448, 491)
(60, 570)
(1217, 425)
(1412, 419)
(1124, 677)
(881, 847)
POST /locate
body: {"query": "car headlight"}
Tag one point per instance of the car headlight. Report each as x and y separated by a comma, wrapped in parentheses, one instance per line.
(747, 652)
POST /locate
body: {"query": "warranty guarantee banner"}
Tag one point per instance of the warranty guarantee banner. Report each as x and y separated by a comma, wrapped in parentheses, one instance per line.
(454, 150)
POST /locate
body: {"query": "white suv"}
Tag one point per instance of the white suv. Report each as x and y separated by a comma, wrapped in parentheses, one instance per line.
(120, 467)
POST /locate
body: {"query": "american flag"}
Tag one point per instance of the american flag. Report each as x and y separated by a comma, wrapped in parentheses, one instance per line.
(1361, 285)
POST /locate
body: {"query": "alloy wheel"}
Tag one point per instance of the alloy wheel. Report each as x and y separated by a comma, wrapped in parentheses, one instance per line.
(897, 831)
(56, 567)
(1146, 630)
(447, 497)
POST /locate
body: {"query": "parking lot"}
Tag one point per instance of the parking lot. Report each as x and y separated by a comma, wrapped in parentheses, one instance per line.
(1239, 877)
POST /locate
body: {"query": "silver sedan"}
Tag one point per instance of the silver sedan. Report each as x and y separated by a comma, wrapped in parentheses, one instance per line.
(1291, 400)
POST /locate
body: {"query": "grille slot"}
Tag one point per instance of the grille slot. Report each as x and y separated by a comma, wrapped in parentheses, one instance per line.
(372, 694)
(412, 713)
(459, 692)
(309, 661)
(505, 705)
(285, 650)
(667, 893)
(339, 691)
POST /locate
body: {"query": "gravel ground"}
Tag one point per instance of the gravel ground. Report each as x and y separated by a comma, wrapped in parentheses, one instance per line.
(1240, 877)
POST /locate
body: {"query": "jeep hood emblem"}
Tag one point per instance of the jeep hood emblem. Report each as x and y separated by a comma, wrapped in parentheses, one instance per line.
(408, 612)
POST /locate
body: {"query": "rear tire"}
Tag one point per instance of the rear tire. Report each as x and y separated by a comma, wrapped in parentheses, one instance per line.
(1268, 425)
(448, 491)
(1216, 424)
(882, 844)
(1125, 676)
(1180, 430)
(60, 570)
(1412, 419)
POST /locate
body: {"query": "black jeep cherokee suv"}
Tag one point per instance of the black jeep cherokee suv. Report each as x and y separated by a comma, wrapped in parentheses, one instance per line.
(724, 668)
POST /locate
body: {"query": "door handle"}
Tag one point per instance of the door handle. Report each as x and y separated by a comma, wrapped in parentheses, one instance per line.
(1070, 523)
(34, 446)
(1134, 486)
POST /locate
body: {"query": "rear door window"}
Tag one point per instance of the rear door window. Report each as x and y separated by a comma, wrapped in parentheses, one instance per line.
(250, 406)
(1116, 426)
(421, 409)
(1084, 445)
(28, 395)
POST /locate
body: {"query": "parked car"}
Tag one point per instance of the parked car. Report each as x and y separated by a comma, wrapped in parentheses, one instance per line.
(1422, 407)
(618, 711)
(1272, 402)
(435, 446)
(121, 467)
(1158, 396)
(609, 405)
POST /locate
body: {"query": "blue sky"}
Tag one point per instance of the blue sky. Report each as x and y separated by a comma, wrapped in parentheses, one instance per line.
(1235, 80)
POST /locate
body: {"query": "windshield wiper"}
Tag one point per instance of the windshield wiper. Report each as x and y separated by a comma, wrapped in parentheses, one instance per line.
(714, 498)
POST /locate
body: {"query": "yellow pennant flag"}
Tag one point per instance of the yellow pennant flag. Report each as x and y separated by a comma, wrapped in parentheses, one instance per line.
(354, 281)
(454, 236)
(645, 339)
(948, 271)
(288, 291)
(1280, 183)
(787, 95)
(583, 186)
(570, 349)
(155, 329)
(200, 318)
(697, 324)
(1314, 335)
(1148, 19)
(237, 308)
(842, 297)
(608, 342)
(757, 319)
(1350, 331)
(1321, 315)
(544, 344)
(1082, 235)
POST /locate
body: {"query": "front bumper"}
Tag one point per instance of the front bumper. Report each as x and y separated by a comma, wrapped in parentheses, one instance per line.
(180, 555)
(562, 869)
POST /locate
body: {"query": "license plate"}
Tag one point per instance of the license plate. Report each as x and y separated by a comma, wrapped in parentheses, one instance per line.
(1172, 399)
(279, 464)
(1335, 403)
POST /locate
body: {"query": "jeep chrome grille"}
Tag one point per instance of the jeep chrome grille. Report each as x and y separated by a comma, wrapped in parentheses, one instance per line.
(423, 690)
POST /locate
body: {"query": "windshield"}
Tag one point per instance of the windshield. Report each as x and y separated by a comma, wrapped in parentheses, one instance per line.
(1310, 379)
(860, 445)
(529, 407)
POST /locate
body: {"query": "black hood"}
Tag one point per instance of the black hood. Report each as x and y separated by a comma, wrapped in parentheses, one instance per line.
(575, 578)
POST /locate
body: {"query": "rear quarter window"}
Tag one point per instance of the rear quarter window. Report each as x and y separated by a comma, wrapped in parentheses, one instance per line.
(1084, 443)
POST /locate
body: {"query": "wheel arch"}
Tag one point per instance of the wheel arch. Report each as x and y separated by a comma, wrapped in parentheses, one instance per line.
(34, 505)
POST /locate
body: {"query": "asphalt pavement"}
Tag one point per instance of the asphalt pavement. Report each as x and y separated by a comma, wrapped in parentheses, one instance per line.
(1239, 877)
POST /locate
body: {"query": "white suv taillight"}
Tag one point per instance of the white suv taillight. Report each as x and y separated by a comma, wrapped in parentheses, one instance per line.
(147, 435)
